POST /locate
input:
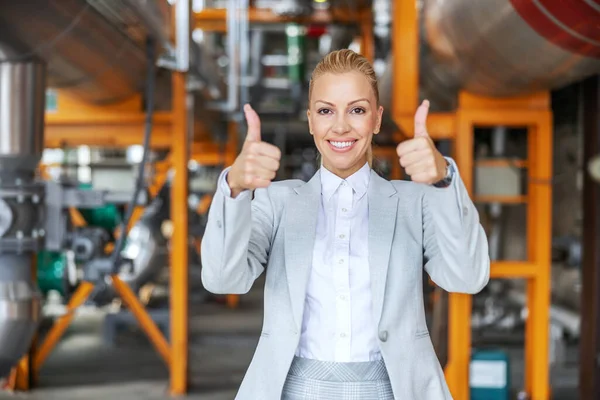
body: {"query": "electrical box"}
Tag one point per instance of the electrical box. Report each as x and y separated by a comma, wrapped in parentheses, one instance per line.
(489, 375)
(498, 181)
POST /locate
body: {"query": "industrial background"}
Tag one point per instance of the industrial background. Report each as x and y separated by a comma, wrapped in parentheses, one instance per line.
(117, 116)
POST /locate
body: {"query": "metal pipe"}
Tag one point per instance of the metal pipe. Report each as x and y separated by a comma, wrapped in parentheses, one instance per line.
(97, 52)
(22, 103)
(507, 55)
(495, 209)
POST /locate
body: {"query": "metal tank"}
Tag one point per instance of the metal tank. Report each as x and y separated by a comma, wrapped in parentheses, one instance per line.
(93, 48)
(21, 137)
(502, 48)
(96, 50)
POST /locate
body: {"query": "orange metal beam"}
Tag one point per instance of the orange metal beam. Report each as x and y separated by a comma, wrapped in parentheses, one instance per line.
(507, 162)
(75, 123)
(60, 326)
(179, 249)
(231, 148)
(513, 269)
(540, 188)
(535, 101)
(367, 37)
(140, 314)
(108, 131)
(500, 199)
(439, 125)
(405, 53)
(214, 18)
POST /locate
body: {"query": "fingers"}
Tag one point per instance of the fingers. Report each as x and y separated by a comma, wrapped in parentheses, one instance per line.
(424, 177)
(413, 158)
(421, 119)
(418, 168)
(253, 121)
(265, 149)
(256, 166)
(410, 145)
(255, 176)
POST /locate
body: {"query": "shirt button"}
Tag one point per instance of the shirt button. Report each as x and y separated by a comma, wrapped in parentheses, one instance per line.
(342, 297)
(219, 223)
(383, 336)
(343, 183)
(342, 334)
(342, 236)
(341, 261)
(344, 209)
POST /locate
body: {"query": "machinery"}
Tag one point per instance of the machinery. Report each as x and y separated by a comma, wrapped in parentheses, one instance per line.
(99, 51)
(91, 65)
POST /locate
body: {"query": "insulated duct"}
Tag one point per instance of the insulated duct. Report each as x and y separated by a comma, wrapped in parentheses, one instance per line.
(21, 137)
(503, 48)
(93, 48)
(96, 50)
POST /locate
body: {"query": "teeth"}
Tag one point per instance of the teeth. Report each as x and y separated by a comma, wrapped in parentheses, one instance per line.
(341, 145)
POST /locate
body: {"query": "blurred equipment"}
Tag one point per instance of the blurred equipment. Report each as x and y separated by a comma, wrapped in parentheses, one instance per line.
(509, 55)
(59, 52)
(489, 375)
(22, 86)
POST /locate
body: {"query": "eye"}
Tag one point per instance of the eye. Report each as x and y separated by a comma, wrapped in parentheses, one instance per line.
(324, 111)
(358, 110)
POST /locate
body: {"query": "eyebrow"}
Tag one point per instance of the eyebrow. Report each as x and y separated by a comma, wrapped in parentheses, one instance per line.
(352, 102)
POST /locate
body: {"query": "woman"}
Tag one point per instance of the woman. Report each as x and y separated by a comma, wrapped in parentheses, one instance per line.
(344, 252)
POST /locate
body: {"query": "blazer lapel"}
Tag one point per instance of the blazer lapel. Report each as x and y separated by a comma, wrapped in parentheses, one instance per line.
(301, 215)
(383, 206)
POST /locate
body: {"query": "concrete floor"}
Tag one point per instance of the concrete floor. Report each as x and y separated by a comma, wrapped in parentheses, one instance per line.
(222, 342)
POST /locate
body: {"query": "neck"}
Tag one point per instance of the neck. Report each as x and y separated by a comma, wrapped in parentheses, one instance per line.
(345, 173)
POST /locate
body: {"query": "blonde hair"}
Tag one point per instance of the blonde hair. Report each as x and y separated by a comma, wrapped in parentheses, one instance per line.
(343, 61)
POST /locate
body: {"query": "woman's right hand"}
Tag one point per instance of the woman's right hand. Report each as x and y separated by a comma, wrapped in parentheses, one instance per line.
(257, 164)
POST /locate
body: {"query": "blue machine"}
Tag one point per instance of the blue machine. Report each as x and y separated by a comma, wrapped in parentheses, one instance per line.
(489, 376)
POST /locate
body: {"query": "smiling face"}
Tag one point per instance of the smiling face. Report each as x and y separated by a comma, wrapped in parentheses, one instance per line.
(343, 115)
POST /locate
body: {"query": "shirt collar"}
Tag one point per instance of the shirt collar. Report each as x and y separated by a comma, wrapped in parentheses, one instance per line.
(359, 181)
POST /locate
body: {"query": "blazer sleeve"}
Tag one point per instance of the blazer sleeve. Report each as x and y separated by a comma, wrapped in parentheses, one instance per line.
(455, 244)
(237, 240)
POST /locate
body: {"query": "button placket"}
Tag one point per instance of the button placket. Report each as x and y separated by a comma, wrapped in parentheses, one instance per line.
(342, 272)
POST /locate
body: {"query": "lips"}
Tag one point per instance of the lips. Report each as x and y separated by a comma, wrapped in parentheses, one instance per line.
(341, 146)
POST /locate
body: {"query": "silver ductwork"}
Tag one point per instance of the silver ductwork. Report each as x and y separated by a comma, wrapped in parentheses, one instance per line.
(93, 48)
(21, 140)
(488, 47)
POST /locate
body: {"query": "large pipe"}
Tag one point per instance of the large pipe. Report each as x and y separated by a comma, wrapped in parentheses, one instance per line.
(502, 48)
(85, 45)
(22, 102)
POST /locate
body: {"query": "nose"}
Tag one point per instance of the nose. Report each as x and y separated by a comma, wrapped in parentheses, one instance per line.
(341, 125)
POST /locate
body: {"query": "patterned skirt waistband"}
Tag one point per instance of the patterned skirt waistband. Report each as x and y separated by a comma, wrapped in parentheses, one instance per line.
(339, 371)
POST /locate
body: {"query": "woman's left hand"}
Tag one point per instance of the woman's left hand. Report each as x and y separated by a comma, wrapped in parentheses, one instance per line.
(418, 156)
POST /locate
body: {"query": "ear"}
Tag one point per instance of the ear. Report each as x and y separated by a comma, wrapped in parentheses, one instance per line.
(309, 125)
(379, 119)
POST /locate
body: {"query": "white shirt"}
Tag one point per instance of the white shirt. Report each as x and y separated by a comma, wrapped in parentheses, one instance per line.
(338, 322)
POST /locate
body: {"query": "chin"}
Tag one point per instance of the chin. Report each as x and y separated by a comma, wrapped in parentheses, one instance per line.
(341, 163)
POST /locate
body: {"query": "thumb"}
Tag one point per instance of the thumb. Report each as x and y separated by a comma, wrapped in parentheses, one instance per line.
(253, 121)
(421, 119)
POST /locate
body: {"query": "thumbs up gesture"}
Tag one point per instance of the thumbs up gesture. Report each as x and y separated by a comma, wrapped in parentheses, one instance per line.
(256, 165)
(418, 156)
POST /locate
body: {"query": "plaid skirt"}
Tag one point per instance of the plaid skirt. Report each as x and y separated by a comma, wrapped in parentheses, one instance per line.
(323, 380)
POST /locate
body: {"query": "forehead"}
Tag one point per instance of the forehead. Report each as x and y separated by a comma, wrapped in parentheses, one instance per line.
(341, 87)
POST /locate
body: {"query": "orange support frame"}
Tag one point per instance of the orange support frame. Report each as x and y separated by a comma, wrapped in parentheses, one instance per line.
(532, 112)
(180, 152)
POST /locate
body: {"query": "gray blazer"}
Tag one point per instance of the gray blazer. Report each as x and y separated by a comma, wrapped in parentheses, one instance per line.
(411, 226)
